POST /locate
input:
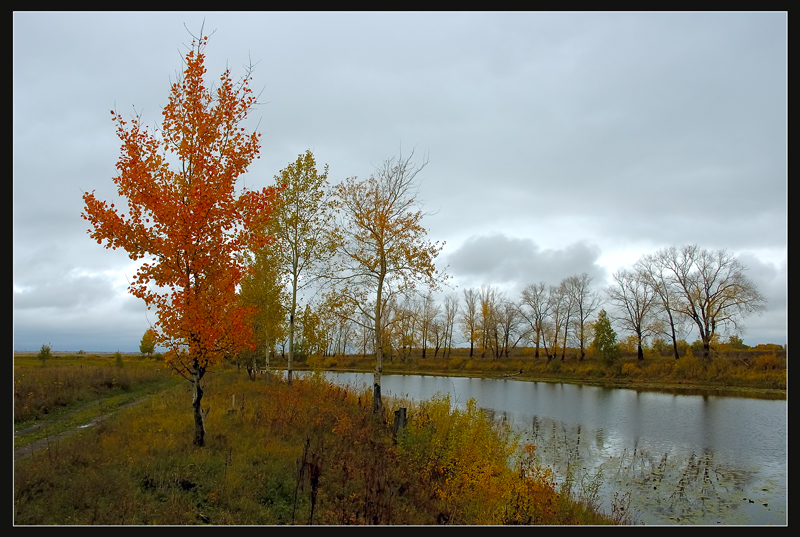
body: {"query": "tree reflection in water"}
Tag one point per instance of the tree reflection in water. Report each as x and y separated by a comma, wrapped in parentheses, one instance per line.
(655, 488)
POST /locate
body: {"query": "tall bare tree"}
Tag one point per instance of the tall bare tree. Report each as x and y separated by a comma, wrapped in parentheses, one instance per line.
(535, 309)
(560, 308)
(585, 301)
(488, 303)
(428, 314)
(510, 325)
(635, 299)
(714, 290)
(654, 269)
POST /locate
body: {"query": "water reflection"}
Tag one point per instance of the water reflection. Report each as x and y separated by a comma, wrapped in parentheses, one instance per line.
(696, 459)
(665, 487)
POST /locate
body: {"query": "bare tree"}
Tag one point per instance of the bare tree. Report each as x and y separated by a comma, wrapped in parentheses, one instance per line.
(510, 325)
(584, 301)
(714, 290)
(654, 269)
(535, 309)
(635, 299)
(560, 308)
(430, 310)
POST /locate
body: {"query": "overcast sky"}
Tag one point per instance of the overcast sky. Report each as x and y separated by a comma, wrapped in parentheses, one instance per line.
(558, 143)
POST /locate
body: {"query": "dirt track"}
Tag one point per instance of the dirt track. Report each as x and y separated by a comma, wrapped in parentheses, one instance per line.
(44, 443)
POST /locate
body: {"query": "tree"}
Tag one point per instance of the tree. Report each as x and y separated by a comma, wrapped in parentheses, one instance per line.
(188, 220)
(450, 313)
(535, 309)
(509, 324)
(584, 302)
(563, 309)
(262, 288)
(488, 303)
(605, 339)
(654, 270)
(148, 344)
(635, 298)
(428, 313)
(469, 319)
(304, 240)
(384, 251)
(45, 353)
(714, 291)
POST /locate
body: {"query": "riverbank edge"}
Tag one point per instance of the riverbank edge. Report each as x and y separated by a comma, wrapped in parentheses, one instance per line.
(677, 388)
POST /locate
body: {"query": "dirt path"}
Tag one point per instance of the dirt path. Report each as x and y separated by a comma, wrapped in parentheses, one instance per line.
(44, 443)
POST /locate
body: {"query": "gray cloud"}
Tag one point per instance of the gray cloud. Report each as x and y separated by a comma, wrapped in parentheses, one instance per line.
(514, 262)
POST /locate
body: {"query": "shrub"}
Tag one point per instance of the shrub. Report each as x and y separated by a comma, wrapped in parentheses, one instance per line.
(688, 366)
(766, 362)
(45, 354)
(630, 370)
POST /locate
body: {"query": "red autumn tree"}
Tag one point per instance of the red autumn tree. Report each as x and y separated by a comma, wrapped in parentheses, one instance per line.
(187, 219)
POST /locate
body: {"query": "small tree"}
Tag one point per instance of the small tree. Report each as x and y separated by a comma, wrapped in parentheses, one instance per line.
(186, 218)
(605, 339)
(148, 344)
(45, 354)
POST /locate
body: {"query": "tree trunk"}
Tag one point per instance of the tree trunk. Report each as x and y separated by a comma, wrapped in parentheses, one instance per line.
(199, 415)
(291, 349)
(377, 404)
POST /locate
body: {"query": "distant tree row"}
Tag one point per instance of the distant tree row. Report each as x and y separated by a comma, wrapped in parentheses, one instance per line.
(659, 300)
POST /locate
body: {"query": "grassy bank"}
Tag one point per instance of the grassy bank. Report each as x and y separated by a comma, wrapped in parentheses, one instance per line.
(306, 453)
(752, 373)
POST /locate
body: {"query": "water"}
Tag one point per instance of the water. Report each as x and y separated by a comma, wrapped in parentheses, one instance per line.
(683, 459)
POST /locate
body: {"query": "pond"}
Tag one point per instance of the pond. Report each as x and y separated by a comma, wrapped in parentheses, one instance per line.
(683, 459)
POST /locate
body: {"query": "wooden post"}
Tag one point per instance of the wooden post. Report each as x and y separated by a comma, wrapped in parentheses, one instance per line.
(399, 422)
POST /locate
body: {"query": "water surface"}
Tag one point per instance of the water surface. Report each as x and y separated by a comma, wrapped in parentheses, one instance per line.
(684, 459)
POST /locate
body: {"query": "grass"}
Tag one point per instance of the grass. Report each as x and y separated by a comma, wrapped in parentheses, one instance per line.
(752, 373)
(312, 452)
(306, 453)
(71, 391)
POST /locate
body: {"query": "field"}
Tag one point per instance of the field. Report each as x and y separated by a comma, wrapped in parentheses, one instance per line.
(305, 453)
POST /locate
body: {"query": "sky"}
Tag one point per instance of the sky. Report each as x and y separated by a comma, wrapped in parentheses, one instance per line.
(556, 143)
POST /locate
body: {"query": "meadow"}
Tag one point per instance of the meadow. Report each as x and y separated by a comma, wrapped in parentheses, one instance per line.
(276, 454)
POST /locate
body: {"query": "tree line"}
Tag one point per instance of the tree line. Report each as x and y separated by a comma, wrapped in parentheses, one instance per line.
(665, 296)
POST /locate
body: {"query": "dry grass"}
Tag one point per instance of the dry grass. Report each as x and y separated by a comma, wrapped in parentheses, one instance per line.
(309, 453)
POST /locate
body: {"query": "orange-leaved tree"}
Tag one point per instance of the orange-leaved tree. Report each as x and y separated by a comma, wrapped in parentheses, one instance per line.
(187, 219)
